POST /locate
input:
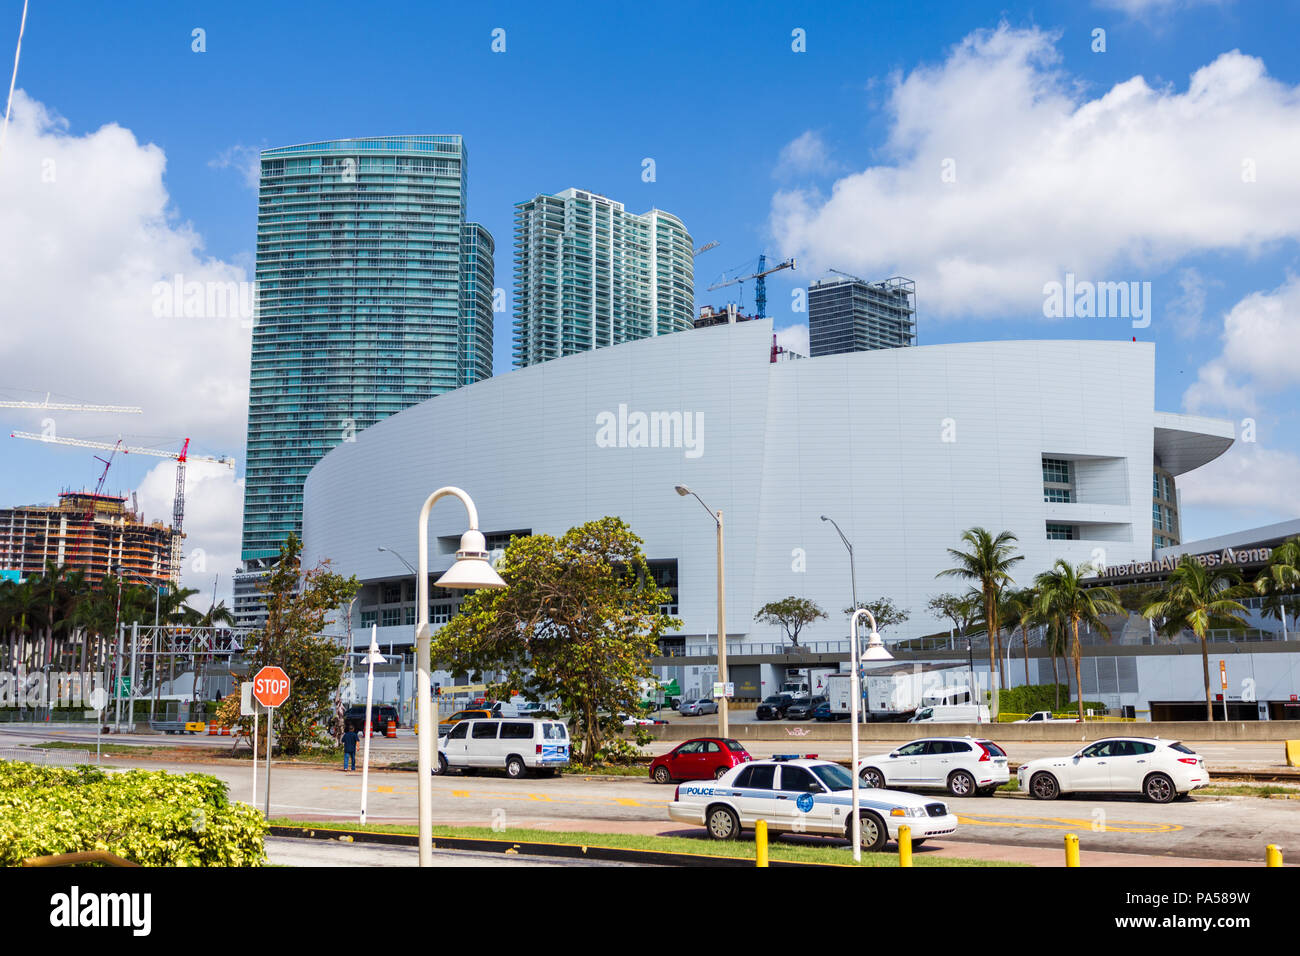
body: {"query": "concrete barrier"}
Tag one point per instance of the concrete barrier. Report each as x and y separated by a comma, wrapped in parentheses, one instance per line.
(809, 732)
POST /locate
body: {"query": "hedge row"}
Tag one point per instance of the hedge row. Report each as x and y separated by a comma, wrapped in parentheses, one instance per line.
(149, 817)
(1028, 699)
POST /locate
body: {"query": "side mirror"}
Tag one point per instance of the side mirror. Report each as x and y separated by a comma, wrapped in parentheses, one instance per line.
(894, 754)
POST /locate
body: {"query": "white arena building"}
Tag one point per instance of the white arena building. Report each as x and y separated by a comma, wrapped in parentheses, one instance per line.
(1055, 441)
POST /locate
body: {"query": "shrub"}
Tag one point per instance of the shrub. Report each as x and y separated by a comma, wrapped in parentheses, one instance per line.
(1035, 697)
(149, 817)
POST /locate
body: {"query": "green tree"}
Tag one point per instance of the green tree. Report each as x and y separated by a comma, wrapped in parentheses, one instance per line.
(578, 622)
(1061, 594)
(1280, 579)
(961, 609)
(298, 605)
(791, 613)
(987, 566)
(1197, 598)
(884, 610)
(1017, 611)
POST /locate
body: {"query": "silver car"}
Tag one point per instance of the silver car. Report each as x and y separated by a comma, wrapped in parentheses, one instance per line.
(694, 708)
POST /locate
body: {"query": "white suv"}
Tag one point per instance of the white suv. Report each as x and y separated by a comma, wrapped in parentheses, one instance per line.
(1158, 769)
(964, 766)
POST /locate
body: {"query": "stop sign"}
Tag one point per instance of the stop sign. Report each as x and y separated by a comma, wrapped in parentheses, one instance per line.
(271, 686)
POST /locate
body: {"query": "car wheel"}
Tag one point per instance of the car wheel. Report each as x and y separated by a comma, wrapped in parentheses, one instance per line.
(723, 824)
(1043, 786)
(441, 765)
(873, 778)
(872, 832)
(717, 774)
(1159, 788)
(515, 767)
(662, 775)
(961, 784)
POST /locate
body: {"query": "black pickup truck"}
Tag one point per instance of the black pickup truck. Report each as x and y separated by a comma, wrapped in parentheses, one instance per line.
(380, 715)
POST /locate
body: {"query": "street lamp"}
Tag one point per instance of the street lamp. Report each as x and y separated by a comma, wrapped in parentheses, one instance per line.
(398, 557)
(723, 703)
(470, 571)
(852, 570)
(875, 652)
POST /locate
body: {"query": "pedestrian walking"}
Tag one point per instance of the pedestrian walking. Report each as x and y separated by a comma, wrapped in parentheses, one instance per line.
(350, 737)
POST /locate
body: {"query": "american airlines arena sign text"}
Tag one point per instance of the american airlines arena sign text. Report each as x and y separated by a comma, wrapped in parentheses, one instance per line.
(1211, 559)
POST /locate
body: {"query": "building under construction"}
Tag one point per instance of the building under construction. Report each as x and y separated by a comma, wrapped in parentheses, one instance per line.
(92, 533)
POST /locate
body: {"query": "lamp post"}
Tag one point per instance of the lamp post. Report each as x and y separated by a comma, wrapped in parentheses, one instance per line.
(723, 703)
(372, 657)
(875, 652)
(470, 571)
(401, 679)
(852, 571)
(157, 595)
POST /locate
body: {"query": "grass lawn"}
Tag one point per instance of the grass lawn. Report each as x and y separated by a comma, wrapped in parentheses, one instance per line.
(1248, 790)
(103, 748)
(777, 849)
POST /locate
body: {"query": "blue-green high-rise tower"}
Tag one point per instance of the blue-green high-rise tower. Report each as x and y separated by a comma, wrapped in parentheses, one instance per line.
(374, 293)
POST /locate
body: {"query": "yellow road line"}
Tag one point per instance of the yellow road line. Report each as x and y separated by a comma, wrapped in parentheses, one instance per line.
(1066, 823)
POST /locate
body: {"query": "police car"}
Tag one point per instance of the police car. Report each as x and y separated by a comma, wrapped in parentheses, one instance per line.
(805, 795)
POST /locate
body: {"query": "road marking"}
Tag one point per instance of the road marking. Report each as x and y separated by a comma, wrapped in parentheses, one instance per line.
(460, 793)
(382, 789)
(545, 798)
(1066, 823)
(629, 802)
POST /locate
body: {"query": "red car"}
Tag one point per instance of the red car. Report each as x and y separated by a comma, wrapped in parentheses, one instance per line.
(704, 758)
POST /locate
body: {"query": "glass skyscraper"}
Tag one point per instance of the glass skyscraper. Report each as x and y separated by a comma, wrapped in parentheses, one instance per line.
(590, 274)
(853, 315)
(374, 294)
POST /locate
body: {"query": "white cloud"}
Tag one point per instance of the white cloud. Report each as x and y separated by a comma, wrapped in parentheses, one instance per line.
(1261, 339)
(794, 338)
(807, 154)
(1141, 9)
(88, 229)
(246, 159)
(214, 500)
(1186, 311)
(1247, 479)
(1045, 180)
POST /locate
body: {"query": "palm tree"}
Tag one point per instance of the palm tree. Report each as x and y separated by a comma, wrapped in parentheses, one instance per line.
(1280, 578)
(1061, 592)
(1197, 598)
(987, 565)
(1017, 611)
(1056, 637)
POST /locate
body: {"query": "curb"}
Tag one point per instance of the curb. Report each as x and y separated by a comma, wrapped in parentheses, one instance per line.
(562, 850)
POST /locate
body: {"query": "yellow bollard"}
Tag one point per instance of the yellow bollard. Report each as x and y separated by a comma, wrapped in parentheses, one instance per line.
(904, 845)
(760, 841)
(1071, 849)
(1273, 855)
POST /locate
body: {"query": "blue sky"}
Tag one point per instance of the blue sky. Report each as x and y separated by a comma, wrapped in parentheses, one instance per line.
(716, 96)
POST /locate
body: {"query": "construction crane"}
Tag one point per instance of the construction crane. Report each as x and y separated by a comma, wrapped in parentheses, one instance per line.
(181, 457)
(760, 282)
(48, 405)
(706, 247)
(847, 276)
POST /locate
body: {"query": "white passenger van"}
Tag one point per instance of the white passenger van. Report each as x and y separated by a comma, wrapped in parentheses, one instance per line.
(516, 746)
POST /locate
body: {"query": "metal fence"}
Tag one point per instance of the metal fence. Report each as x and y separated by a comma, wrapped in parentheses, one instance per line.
(46, 758)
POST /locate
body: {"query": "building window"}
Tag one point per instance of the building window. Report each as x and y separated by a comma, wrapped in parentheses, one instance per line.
(1157, 518)
(440, 613)
(1056, 471)
(368, 618)
(1060, 532)
(391, 592)
(390, 617)
(1058, 495)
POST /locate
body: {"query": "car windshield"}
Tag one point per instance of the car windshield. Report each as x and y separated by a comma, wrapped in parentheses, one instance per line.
(554, 731)
(834, 776)
(772, 700)
(993, 749)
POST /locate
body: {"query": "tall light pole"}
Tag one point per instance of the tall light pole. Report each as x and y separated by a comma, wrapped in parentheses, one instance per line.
(471, 571)
(852, 571)
(875, 652)
(723, 703)
(401, 679)
(153, 672)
